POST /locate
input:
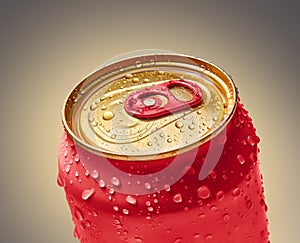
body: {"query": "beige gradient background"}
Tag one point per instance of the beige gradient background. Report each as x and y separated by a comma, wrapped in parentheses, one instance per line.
(46, 48)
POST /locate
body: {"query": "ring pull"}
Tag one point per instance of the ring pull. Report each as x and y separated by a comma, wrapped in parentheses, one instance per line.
(144, 104)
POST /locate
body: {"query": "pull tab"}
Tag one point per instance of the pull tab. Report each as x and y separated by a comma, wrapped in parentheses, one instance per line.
(144, 104)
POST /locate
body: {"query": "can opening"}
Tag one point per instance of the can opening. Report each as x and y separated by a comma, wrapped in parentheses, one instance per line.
(182, 93)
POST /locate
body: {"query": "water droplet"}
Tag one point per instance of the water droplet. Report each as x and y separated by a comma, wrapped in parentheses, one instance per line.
(77, 213)
(178, 124)
(60, 182)
(147, 186)
(108, 115)
(202, 215)
(146, 80)
(135, 80)
(103, 107)
(125, 211)
(177, 198)
(178, 240)
(86, 194)
(102, 183)
(169, 140)
(94, 174)
(236, 192)
(129, 75)
(150, 209)
(191, 126)
(203, 192)
(149, 144)
(240, 159)
(93, 107)
(115, 181)
(236, 122)
(138, 64)
(116, 208)
(68, 169)
(253, 157)
(76, 173)
(111, 191)
(208, 237)
(248, 177)
(136, 239)
(131, 200)
(220, 195)
(226, 217)
(76, 159)
(249, 204)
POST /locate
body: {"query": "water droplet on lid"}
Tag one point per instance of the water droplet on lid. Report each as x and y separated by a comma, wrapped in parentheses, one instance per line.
(191, 126)
(138, 64)
(76, 173)
(86, 194)
(129, 75)
(236, 192)
(169, 140)
(103, 107)
(220, 195)
(177, 198)
(131, 200)
(203, 192)
(116, 208)
(125, 211)
(146, 80)
(93, 106)
(240, 159)
(108, 115)
(135, 80)
(94, 174)
(202, 215)
(178, 124)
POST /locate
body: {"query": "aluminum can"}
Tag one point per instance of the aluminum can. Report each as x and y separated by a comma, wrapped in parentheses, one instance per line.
(157, 147)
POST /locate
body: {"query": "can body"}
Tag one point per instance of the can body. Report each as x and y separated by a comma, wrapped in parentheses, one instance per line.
(208, 192)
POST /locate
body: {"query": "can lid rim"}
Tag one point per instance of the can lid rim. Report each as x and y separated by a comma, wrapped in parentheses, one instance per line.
(106, 154)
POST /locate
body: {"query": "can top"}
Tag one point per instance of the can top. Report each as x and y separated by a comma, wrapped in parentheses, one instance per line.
(149, 106)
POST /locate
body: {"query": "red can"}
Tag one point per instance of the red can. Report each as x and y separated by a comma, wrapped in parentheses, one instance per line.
(158, 148)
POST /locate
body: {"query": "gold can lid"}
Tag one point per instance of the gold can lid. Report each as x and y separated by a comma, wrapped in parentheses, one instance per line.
(149, 106)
